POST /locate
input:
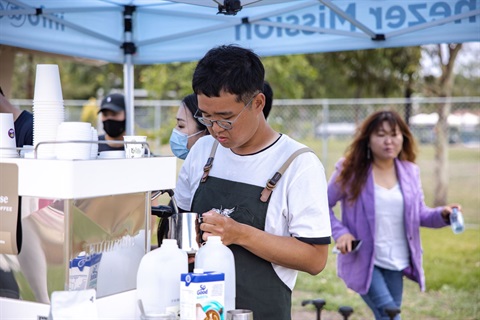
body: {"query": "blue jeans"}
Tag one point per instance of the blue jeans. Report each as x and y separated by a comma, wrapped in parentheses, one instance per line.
(385, 291)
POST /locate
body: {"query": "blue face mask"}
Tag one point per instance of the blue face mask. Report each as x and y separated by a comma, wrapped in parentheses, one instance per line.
(179, 141)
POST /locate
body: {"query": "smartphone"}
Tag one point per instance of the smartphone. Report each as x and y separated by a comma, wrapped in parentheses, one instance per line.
(356, 244)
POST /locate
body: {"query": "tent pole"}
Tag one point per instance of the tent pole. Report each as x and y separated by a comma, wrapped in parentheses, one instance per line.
(129, 49)
(128, 87)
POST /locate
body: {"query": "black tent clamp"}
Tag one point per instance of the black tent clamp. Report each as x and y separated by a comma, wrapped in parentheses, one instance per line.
(128, 46)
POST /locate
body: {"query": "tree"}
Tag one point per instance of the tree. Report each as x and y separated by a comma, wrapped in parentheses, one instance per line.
(294, 77)
(80, 78)
(467, 71)
(168, 81)
(377, 72)
(442, 86)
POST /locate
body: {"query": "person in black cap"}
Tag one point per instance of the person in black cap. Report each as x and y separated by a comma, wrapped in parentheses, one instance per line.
(113, 113)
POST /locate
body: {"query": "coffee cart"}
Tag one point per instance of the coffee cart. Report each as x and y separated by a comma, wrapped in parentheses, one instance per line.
(81, 224)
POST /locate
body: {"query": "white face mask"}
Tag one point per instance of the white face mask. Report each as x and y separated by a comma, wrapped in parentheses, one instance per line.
(179, 141)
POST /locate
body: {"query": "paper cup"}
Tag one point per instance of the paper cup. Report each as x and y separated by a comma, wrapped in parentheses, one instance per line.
(74, 131)
(7, 136)
(47, 84)
(137, 149)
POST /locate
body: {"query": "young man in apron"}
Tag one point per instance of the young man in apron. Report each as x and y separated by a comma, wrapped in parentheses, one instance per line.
(273, 229)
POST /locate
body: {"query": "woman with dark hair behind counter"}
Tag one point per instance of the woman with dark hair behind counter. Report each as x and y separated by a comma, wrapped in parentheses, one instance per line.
(188, 129)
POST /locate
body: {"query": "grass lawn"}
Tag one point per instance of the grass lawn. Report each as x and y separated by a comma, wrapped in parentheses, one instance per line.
(451, 262)
(452, 269)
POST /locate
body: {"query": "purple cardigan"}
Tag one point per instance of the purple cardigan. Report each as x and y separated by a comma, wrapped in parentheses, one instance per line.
(358, 218)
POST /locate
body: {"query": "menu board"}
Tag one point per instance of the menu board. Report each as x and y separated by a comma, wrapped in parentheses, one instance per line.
(10, 226)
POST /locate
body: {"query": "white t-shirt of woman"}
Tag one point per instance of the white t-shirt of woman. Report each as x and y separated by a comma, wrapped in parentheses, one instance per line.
(391, 247)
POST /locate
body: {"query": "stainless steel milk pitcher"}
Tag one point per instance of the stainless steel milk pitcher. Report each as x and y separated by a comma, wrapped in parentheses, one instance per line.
(181, 226)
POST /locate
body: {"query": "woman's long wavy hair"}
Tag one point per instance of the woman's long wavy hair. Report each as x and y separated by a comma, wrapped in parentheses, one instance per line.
(357, 162)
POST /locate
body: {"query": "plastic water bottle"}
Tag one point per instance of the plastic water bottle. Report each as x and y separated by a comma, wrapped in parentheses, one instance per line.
(158, 278)
(215, 256)
(456, 221)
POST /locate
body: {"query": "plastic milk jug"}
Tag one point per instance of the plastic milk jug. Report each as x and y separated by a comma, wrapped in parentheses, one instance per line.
(158, 278)
(214, 256)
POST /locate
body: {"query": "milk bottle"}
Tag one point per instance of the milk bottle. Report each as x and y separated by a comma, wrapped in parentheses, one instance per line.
(214, 256)
(158, 278)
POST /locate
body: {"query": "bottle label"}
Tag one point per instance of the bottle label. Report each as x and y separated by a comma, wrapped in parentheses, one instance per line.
(83, 271)
(202, 296)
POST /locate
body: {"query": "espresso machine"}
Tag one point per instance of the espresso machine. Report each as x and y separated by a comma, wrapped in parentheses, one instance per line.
(77, 224)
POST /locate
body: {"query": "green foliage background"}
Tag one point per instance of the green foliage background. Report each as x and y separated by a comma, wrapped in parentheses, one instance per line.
(349, 74)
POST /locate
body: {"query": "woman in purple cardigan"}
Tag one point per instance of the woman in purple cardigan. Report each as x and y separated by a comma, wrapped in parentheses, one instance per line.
(379, 188)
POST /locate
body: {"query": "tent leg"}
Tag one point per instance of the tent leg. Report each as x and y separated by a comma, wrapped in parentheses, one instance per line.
(128, 87)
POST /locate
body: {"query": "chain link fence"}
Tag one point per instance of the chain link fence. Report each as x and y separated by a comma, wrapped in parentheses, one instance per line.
(309, 119)
(303, 119)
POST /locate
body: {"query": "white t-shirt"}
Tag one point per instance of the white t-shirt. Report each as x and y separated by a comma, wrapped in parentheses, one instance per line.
(298, 205)
(391, 247)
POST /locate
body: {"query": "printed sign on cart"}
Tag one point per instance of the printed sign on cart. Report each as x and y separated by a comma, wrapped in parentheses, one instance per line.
(10, 229)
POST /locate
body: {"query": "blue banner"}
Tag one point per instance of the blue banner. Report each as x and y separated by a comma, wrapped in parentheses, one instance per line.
(167, 31)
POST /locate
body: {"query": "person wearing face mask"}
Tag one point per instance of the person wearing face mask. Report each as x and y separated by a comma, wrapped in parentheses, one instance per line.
(113, 113)
(188, 129)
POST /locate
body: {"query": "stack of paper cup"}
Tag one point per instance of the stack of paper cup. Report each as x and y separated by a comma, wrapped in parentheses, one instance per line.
(48, 109)
(7, 136)
(74, 131)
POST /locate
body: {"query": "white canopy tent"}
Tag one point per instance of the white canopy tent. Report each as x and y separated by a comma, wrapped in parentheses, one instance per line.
(146, 32)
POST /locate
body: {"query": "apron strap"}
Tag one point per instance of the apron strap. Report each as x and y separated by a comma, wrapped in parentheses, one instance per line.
(209, 163)
(267, 191)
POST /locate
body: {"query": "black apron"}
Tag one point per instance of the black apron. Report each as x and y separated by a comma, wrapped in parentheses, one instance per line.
(258, 287)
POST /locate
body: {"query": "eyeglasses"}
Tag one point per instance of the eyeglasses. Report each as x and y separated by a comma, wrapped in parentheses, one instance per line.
(224, 124)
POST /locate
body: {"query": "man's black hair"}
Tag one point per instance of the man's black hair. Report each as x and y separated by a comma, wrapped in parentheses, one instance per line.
(268, 92)
(231, 69)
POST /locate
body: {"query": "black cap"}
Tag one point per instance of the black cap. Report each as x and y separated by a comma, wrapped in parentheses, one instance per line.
(114, 102)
